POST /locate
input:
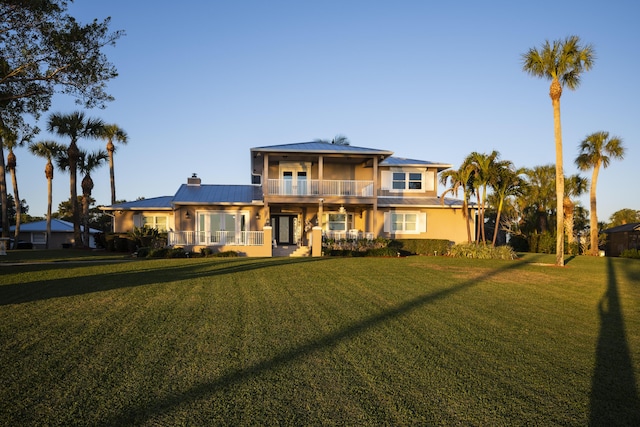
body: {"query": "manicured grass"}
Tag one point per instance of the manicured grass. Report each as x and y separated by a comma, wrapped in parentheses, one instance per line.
(359, 341)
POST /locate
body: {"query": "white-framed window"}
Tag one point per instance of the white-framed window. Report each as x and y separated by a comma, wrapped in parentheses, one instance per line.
(405, 222)
(39, 238)
(408, 180)
(221, 227)
(159, 222)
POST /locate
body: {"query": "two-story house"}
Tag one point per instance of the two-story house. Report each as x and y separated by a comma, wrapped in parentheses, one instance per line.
(303, 190)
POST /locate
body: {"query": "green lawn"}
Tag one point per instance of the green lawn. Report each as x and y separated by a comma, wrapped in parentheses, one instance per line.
(331, 341)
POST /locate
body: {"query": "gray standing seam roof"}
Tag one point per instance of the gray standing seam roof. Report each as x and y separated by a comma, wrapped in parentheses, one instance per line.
(321, 147)
(419, 202)
(157, 203)
(217, 194)
(400, 161)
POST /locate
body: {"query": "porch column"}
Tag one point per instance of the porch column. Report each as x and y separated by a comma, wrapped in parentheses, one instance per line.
(316, 242)
(375, 197)
(265, 174)
(320, 174)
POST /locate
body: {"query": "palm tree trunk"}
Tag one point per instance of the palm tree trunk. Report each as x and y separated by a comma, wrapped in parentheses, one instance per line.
(16, 196)
(4, 200)
(85, 217)
(555, 92)
(49, 203)
(112, 177)
(466, 216)
(73, 153)
(593, 215)
(495, 231)
(568, 207)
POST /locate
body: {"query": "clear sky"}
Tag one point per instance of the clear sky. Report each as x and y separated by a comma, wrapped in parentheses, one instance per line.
(201, 82)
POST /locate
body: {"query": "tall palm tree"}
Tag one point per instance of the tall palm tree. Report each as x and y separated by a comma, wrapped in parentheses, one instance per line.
(562, 62)
(74, 126)
(12, 141)
(575, 186)
(597, 150)
(507, 183)
(459, 179)
(87, 163)
(48, 150)
(112, 133)
(483, 167)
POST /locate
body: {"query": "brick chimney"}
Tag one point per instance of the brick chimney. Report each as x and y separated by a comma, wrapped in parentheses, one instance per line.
(194, 180)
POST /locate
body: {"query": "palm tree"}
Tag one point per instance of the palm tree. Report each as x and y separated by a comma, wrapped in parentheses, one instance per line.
(48, 150)
(74, 126)
(459, 179)
(539, 196)
(562, 62)
(113, 133)
(87, 163)
(597, 150)
(507, 183)
(337, 140)
(11, 141)
(575, 186)
(483, 167)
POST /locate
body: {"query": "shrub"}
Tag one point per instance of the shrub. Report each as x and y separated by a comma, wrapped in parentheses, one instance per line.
(119, 242)
(177, 252)
(519, 243)
(631, 253)
(478, 251)
(143, 252)
(349, 247)
(423, 246)
(226, 254)
(205, 252)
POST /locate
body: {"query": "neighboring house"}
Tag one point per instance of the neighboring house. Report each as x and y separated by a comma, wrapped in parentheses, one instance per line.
(301, 193)
(61, 234)
(621, 238)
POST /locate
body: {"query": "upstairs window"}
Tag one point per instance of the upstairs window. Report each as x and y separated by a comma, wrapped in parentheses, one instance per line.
(407, 181)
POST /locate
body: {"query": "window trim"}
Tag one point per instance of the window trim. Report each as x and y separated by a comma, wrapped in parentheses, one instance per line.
(421, 222)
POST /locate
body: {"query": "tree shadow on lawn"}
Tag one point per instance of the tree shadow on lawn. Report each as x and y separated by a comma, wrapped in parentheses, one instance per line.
(614, 394)
(19, 293)
(149, 410)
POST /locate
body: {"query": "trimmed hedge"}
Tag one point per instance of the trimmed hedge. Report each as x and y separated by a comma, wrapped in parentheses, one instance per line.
(422, 246)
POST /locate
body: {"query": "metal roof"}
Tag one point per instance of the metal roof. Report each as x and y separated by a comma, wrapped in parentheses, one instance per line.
(153, 203)
(404, 202)
(400, 161)
(633, 226)
(217, 194)
(57, 226)
(320, 147)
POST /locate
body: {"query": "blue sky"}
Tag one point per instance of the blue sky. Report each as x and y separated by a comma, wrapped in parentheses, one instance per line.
(202, 82)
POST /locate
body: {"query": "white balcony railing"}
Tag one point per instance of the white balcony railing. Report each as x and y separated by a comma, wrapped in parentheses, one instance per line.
(217, 238)
(314, 187)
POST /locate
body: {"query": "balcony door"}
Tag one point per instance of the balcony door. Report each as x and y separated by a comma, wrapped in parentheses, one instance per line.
(294, 178)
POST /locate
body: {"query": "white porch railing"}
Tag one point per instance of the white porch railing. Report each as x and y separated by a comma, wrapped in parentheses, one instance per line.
(217, 238)
(314, 187)
(348, 235)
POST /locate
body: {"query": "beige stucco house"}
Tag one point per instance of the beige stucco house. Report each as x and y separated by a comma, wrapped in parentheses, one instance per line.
(301, 193)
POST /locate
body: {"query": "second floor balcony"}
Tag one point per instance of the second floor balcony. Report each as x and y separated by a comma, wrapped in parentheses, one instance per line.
(315, 187)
